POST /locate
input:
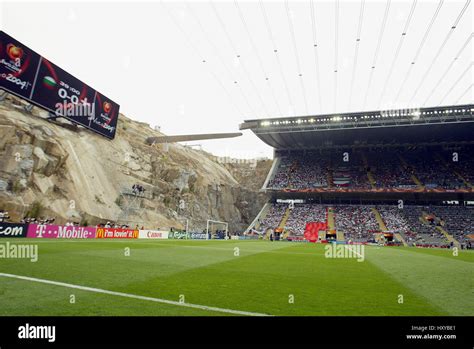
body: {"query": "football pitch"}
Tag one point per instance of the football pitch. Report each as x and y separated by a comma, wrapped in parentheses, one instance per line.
(226, 278)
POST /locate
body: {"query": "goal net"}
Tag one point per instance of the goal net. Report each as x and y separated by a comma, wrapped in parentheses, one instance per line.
(217, 230)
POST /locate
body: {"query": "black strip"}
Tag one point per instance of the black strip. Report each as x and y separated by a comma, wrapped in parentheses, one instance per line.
(336, 332)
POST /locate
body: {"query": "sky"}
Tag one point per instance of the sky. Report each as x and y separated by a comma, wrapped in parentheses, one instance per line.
(205, 67)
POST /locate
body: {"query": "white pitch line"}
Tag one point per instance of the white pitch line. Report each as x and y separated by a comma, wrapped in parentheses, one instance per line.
(134, 296)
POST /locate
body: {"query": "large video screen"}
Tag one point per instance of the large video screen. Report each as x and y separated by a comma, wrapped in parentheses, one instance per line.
(28, 75)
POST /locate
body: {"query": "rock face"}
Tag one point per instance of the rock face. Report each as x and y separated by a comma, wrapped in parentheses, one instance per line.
(73, 174)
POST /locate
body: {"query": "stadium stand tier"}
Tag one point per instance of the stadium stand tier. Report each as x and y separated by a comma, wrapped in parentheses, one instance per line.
(401, 176)
(403, 168)
(417, 224)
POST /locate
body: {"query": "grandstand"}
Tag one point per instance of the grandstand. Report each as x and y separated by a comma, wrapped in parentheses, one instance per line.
(406, 175)
(112, 226)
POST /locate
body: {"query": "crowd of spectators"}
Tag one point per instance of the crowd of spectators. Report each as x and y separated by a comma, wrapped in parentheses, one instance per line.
(273, 217)
(390, 168)
(309, 171)
(72, 224)
(394, 219)
(312, 170)
(4, 216)
(302, 214)
(300, 172)
(350, 177)
(456, 220)
(431, 171)
(138, 189)
(461, 159)
(347, 170)
(357, 222)
(416, 224)
(115, 225)
(422, 231)
(32, 220)
(465, 169)
(280, 180)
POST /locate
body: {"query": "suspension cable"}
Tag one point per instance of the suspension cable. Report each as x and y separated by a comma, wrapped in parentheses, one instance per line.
(438, 53)
(456, 57)
(295, 48)
(397, 52)
(377, 50)
(415, 58)
(356, 52)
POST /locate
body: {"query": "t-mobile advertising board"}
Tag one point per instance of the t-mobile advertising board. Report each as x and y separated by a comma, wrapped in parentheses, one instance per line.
(28, 75)
(60, 231)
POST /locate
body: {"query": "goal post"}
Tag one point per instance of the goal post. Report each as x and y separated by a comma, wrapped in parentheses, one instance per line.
(212, 225)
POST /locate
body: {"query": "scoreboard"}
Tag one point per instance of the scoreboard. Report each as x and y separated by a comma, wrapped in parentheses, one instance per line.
(26, 74)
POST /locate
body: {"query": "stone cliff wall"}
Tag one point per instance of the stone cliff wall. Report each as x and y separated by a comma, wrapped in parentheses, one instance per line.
(65, 171)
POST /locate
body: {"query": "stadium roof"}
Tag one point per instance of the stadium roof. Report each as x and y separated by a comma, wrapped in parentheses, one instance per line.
(227, 61)
(390, 127)
(191, 137)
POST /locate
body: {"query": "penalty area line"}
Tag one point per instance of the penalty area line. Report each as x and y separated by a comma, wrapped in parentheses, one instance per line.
(133, 296)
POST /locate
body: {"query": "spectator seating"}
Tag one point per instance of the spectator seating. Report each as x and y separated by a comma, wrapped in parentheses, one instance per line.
(390, 168)
(302, 214)
(356, 221)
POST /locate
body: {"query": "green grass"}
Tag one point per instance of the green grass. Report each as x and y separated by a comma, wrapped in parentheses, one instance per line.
(261, 279)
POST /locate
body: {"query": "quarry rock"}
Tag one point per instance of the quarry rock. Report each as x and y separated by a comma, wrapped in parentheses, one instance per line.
(59, 164)
(42, 160)
(44, 184)
(3, 185)
(8, 135)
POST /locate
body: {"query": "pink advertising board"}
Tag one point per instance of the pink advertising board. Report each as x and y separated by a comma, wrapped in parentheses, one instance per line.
(60, 231)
